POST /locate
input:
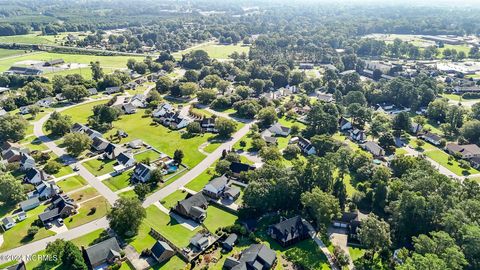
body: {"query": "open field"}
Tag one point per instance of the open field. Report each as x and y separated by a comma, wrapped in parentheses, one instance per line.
(81, 113)
(218, 218)
(7, 53)
(33, 38)
(72, 183)
(216, 51)
(99, 167)
(118, 182)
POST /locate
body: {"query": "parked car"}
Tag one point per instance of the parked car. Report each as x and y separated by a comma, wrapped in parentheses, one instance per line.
(60, 221)
(48, 225)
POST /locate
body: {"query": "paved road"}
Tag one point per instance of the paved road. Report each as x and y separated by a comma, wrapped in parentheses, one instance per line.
(34, 247)
(71, 161)
(197, 170)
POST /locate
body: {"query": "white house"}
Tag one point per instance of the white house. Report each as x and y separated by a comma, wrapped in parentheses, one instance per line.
(142, 172)
(126, 159)
(139, 101)
(26, 161)
(163, 109)
(305, 145)
(21, 216)
(47, 190)
(34, 176)
(216, 187)
(8, 223)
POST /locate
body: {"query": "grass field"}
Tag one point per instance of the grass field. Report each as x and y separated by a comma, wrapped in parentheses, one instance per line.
(84, 194)
(17, 235)
(160, 137)
(108, 62)
(200, 181)
(33, 38)
(442, 158)
(88, 211)
(99, 167)
(7, 53)
(71, 183)
(216, 51)
(118, 182)
(172, 199)
(81, 113)
(149, 154)
(218, 218)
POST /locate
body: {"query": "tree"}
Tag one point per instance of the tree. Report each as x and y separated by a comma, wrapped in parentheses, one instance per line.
(428, 262)
(374, 234)
(206, 96)
(270, 154)
(178, 156)
(72, 257)
(126, 216)
(32, 231)
(225, 127)
(267, 116)
(188, 88)
(75, 93)
(340, 192)
(13, 128)
(341, 257)
(164, 84)
(58, 124)
(55, 248)
(291, 152)
(34, 110)
(380, 124)
(194, 128)
(321, 206)
(195, 59)
(222, 166)
(97, 71)
(471, 131)
(476, 111)
(402, 121)
(156, 176)
(76, 143)
(52, 167)
(11, 189)
(142, 190)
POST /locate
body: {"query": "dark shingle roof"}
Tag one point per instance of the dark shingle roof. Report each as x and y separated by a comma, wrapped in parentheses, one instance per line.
(194, 204)
(159, 248)
(238, 167)
(100, 252)
(289, 229)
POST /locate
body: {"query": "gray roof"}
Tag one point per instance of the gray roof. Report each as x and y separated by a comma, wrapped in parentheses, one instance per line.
(100, 252)
(160, 247)
(290, 229)
(219, 182)
(7, 220)
(232, 191)
(231, 239)
(29, 202)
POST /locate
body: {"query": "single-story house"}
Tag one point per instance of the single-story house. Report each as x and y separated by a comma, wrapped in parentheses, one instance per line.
(374, 148)
(325, 97)
(105, 252)
(24, 110)
(229, 242)
(139, 101)
(21, 216)
(129, 108)
(112, 90)
(200, 241)
(257, 256)
(135, 144)
(8, 223)
(142, 173)
(431, 138)
(466, 151)
(53, 62)
(161, 251)
(126, 159)
(344, 124)
(194, 207)
(289, 231)
(30, 204)
(92, 91)
(305, 145)
(216, 187)
(12, 155)
(163, 109)
(232, 192)
(279, 130)
(46, 102)
(99, 144)
(62, 206)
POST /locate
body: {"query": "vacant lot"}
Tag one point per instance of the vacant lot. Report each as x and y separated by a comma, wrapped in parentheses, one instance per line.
(99, 166)
(81, 113)
(71, 183)
(118, 182)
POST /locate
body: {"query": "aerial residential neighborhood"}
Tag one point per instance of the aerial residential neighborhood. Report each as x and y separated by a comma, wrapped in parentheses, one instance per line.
(243, 135)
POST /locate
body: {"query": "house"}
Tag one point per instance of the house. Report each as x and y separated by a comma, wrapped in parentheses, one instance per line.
(374, 148)
(305, 145)
(344, 124)
(105, 252)
(60, 97)
(216, 187)
(29, 204)
(431, 138)
(208, 125)
(466, 151)
(142, 173)
(111, 151)
(99, 144)
(179, 121)
(24, 71)
(416, 128)
(129, 108)
(163, 109)
(24, 110)
(112, 90)
(200, 241)
(9, 145)
(47, 190)
(475, 161)
(161, 251)
(268, 137)
(92, 91)
(126, 159)
(46, 102)
(8, 223)
(26, 161)
(194, 207)
(228, 243)
(34, 176)
(53, 62)
(306, 66)
(390, 109)
(135, 144)
(237, 168)
(289, 231)
(62, 206)
(92, 133)
(122, 134)
(325, 97)
(358, 135)
(139, 101)
(279, 130)
(257, 256)
(232, 193)
(21, 216)
(12, 155)
(350, 221)
(130, 86)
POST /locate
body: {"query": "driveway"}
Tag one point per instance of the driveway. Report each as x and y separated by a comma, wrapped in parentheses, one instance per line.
(339, 238)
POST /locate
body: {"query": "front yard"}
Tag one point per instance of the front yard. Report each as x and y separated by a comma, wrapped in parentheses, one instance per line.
(99, 166)
(118, 182)
(72, 183)
(454, 166)
(88, 211)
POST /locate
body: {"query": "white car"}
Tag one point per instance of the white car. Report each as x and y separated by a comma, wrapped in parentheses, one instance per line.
(60, 221)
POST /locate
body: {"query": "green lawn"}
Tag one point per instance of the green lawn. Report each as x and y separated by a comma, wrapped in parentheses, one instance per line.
(72, 183)
(211, 147)
(81, 113)
(33, 38)
(217, 51)
(200, 181)
(425, 147)
(160, 137)
(167, 226)
(174, 263)
(65, 170)
(442, 158)
(356, 253)
(99, 167)
(172, 199)
(118, 182)
(17, 235)
(84, 194)
(149, 154)
(218, 218)
(88, 211)
(34, 144)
